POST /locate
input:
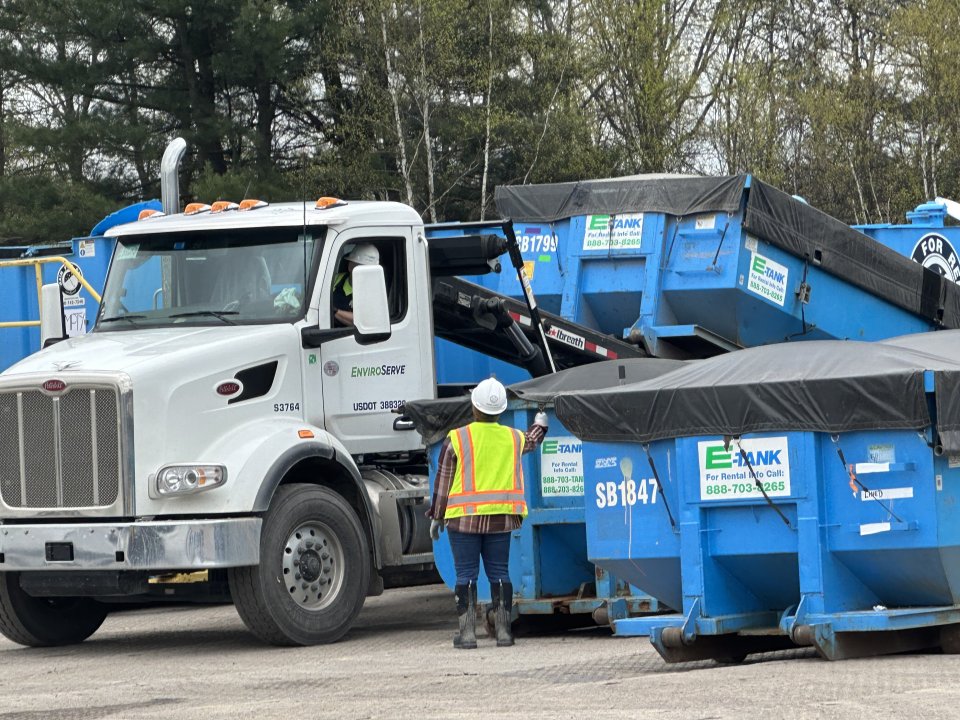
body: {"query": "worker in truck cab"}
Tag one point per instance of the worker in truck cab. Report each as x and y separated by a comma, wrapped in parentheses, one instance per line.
(362, 254)
(478, 496)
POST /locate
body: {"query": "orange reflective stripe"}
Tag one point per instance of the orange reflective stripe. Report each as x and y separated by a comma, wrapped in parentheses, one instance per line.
(516, 505)
(479, 498)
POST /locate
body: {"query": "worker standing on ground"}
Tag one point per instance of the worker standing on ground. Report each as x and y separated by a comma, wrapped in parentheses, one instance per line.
(362, 254)
(478, 496)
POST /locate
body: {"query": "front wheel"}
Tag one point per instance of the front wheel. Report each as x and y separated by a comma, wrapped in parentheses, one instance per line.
(45, 622)
(313, 573)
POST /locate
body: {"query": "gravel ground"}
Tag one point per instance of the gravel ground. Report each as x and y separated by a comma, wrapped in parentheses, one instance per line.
(199, 662)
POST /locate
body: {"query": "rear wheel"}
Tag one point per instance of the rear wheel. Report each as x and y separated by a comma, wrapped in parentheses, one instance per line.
(313, 573)
(45, 622)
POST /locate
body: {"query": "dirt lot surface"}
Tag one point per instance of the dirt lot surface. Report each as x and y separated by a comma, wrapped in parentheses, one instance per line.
(199, 662)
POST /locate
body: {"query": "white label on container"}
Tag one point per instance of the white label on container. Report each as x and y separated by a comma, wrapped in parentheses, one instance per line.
(871, 467)
(561, 467)
(76, 321)
(706, 222)
(882, 454)
(886, 494)
(725, 475)
(768, 279)
(750, 244)
(613, 232)
(874, 528)
(953, 461)
(87, 249)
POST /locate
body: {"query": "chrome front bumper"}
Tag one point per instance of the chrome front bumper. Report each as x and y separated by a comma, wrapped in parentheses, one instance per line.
(161, 545)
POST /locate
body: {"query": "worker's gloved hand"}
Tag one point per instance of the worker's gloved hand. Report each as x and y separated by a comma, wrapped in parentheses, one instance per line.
(541, 420)
(436, 527)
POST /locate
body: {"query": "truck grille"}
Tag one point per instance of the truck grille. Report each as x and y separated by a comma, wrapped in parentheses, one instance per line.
(60, 452)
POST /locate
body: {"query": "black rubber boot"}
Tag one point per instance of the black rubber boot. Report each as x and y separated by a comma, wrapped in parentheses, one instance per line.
(466, 595)
(501, 602)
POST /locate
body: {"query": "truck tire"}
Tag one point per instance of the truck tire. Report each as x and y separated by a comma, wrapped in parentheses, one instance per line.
(313, 573)
(45, 622)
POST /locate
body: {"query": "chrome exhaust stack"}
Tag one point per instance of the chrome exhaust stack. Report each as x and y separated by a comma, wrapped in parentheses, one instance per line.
(170, 175)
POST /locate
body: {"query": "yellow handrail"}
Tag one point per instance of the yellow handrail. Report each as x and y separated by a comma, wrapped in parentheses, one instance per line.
(37, 262)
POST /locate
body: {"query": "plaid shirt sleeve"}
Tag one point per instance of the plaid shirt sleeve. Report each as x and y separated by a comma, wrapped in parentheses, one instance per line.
(533, 438)
(446, 467)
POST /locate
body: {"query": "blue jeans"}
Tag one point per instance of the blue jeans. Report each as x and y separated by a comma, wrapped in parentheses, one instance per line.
(468, 548)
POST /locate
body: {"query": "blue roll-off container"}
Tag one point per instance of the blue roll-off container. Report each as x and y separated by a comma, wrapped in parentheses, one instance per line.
(18, 284)
(693, 267)
(549, 564)
(854, 550)
(924, 238)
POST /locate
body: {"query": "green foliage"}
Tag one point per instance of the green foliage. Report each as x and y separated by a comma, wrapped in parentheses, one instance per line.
(437, 102)
(41, 210)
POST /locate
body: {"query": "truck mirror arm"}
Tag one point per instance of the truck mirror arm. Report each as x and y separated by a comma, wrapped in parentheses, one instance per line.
(314, 337)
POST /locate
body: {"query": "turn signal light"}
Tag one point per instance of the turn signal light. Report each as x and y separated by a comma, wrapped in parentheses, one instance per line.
(305, 434)
(329, 202)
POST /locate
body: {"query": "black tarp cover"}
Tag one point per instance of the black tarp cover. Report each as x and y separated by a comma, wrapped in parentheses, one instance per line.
(945, 344)
(827, 386)
(670, 194)
(769, 214)
(435, 418)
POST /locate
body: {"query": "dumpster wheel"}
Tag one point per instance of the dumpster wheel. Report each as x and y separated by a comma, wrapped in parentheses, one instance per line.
(950, 639)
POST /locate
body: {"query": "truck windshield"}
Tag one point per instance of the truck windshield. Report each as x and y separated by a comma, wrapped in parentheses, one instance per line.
(224, 277)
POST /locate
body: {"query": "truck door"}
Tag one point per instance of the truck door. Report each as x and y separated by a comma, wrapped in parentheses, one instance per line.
(363, 384)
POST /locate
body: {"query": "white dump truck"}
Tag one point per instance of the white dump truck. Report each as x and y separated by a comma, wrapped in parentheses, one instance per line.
(218, 419)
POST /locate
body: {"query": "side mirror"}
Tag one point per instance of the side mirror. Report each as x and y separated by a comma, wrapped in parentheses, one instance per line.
(371, 311)
(52, 327)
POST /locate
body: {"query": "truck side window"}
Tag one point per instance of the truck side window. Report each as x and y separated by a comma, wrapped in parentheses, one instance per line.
(393, 261)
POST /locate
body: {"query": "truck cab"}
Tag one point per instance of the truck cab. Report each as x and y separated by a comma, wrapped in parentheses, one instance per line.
(220, 418)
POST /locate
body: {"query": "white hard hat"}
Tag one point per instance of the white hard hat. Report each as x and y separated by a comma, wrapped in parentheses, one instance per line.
(489, 397)
(364, 254)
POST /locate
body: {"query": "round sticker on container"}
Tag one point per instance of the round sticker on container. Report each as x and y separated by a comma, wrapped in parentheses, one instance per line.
(331, 368)
(68, 281)
(935, 252)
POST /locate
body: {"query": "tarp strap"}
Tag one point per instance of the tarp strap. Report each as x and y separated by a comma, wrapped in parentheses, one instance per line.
(716, 255)
(855, 481)
(756, 481)
(656, 476)
(803, 295)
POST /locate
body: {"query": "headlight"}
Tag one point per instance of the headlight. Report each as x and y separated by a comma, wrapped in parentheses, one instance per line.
(187, 479)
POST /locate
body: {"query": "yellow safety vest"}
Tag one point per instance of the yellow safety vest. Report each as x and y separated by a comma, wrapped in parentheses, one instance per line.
(489, 476)
(343, 278)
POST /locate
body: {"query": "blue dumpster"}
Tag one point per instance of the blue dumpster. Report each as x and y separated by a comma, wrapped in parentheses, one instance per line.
(836, 526)
(18, 285)
(652, 259)
(549, 566)
(925, 238)
(632, 495)
(18, 291)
